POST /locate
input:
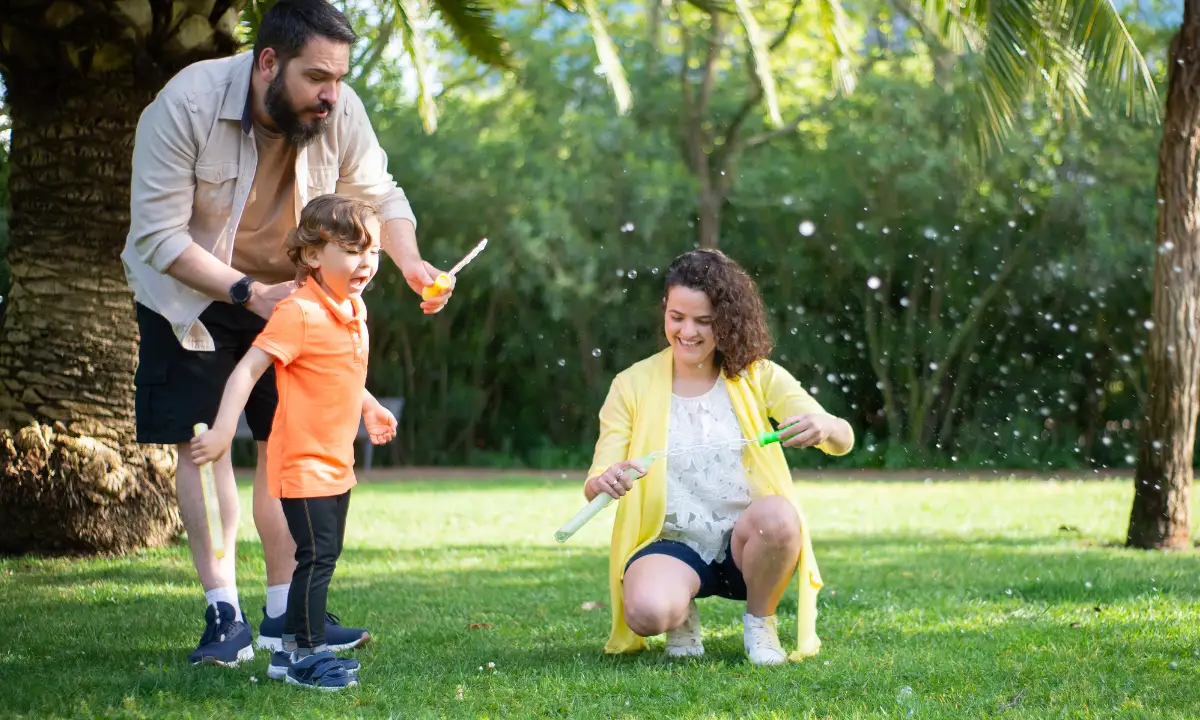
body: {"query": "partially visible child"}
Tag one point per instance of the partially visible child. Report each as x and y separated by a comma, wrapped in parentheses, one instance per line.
(317, 340)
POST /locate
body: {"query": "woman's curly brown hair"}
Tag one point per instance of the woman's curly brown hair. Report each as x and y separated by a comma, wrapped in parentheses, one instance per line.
(329, 219)
(739, 320)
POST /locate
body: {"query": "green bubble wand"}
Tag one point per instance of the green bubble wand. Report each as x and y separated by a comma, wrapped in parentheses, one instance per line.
(602, 500)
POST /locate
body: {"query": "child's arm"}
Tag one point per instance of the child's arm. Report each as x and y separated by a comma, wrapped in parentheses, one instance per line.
(805, 422)
(213, 444)
(381, 424)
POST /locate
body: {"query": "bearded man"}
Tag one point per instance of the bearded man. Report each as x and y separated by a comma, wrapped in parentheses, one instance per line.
(224, 159)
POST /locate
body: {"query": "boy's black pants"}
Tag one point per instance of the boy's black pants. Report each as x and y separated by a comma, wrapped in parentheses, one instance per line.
(318, 526)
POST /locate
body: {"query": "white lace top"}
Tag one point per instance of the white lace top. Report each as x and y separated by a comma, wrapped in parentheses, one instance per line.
(707, 489)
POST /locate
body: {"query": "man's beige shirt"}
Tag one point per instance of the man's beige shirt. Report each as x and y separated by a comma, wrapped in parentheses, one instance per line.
(194, 162)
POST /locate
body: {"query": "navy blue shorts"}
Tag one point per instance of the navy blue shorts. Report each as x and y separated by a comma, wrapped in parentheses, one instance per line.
(177, 388)
(722, 579)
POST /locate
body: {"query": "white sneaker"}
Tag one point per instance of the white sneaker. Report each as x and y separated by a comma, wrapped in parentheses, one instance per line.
(761, 636)
(684, 641)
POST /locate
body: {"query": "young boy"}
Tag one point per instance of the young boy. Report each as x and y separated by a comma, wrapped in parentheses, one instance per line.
(317, 340)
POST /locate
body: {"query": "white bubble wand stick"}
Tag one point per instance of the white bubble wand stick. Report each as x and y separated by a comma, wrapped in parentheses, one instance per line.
(212, 506)
(602, 500)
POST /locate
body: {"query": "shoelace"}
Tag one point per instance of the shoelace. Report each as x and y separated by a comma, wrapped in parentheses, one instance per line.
(224, 628)
(332, 619)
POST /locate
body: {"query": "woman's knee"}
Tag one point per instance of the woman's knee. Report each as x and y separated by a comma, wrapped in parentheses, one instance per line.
(776, 522)
(649, 614)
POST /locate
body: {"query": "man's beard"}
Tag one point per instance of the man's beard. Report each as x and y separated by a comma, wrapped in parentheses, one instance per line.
(287, 119)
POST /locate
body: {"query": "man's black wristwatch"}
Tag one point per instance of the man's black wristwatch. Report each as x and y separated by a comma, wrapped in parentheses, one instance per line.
(239, 292)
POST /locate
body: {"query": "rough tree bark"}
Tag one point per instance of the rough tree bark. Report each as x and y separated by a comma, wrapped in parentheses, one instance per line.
(78, 73)
(1161, 516)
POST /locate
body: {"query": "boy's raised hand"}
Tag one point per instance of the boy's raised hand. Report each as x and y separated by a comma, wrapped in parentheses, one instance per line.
(210, 446)
(380, 423)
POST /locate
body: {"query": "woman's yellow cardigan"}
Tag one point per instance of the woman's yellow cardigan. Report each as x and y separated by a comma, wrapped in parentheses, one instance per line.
(633, 423)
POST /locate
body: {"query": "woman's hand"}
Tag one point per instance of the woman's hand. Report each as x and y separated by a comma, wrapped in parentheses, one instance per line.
(807, 430)
(615, 481)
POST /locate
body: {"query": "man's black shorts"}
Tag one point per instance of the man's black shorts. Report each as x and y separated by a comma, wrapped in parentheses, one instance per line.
(178, 388)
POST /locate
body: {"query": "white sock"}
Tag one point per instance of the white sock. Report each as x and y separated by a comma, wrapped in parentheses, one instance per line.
(277, 597)
(225, 595)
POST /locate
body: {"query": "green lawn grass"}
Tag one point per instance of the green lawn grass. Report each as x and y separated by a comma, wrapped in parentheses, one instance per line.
(958, 599)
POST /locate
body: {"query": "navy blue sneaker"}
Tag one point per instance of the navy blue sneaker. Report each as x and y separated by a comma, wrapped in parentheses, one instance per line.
(226, 640)
(281, 661)
(270, 634)
(321, 670)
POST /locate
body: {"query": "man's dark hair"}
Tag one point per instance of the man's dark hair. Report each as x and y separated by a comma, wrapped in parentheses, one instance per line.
(289, 24)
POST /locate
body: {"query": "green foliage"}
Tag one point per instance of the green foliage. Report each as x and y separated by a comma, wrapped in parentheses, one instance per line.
(959, 315)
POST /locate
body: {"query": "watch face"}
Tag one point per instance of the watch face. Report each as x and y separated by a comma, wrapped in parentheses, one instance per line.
(240, 292)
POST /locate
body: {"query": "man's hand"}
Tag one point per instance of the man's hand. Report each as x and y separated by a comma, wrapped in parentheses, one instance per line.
(421, 275)
(381, 424)
(210, 446)
(263, 298)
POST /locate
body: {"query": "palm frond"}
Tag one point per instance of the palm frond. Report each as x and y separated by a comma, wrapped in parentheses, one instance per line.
(762, 60)
(1096, 28)
(473, 23)
(1009, 64)
(834, 26)
(1054, 50)
(408, 16)
(952, 22)
(606, 51)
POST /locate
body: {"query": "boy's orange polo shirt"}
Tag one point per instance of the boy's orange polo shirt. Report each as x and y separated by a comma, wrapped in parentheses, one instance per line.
(321, 370)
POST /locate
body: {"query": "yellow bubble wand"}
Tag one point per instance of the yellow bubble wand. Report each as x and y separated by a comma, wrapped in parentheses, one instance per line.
(444, 281)
(212, 506)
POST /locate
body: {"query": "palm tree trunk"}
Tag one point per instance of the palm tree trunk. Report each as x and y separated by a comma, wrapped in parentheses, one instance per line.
(72, 479)
(1160, 517)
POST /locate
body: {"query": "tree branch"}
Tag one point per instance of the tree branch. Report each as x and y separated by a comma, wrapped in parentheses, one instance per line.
(766, 137)
(730, 137)
(716, 43)
(373, 53)
(690, 120)
(463, 81)
(967, 326)
(787, 27)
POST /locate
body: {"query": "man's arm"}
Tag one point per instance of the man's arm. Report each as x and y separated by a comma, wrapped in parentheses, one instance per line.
(200, 270)
(399, 241)
(161, 195)
(363, 173)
